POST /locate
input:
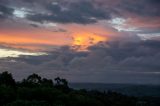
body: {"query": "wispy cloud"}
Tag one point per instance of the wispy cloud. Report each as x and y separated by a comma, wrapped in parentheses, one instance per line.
(15, 53)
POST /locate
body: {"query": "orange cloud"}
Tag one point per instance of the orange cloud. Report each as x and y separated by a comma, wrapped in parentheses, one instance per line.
(43, 39)
(33, 40)
(84, 39)
(21, 40)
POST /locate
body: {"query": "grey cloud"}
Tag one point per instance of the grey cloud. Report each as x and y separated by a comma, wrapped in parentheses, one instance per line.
(148, 8)
(4, 1)
(5, 11)
(124, 62)
(88, 11)
(78, 12)
(144, 8)
(52, 30)
(137, 56)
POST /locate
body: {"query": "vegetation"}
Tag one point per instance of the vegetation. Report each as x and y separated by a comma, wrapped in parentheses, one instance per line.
(37, 91)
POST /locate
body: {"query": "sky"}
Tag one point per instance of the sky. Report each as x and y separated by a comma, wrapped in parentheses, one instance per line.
(99, 41)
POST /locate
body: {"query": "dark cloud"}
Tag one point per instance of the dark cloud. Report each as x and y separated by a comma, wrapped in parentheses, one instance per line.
(35, 25)
(4, 1)
(5, 11)
(134, 56)
(155, 2)
(37, 1)
(78, 12)
(148, 8)
(86, 11)
(114, 61)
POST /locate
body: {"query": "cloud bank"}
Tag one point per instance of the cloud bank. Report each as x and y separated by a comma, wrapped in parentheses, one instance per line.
(107, 62)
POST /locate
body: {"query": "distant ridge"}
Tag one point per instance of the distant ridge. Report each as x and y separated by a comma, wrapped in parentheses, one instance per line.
(128, 89)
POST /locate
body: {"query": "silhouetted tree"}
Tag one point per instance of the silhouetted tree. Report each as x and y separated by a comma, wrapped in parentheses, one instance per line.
(61, 84)
(7, 79)
(34, 78)
(58, 81)
(64, 82)
(47, 82)
(7, 88)
(31, 81)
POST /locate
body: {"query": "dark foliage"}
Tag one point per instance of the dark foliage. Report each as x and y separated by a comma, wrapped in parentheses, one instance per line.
(37, 91)
(6, 79)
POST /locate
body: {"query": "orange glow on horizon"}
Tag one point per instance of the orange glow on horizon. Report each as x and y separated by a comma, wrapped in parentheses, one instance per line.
(22, 40)
(30, 41)
(82, 40)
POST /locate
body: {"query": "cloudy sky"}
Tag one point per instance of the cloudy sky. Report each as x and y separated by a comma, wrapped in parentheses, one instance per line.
(106, 41)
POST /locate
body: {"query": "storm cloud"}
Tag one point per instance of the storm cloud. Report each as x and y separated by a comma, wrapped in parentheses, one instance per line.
(111, 61)
(79, 12)
(144, 8)
(5, 11)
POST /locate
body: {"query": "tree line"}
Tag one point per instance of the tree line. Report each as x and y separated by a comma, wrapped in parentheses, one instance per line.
(37, 91)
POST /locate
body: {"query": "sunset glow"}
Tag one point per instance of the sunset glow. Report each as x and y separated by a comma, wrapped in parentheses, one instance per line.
(85, 40)
(82, 40)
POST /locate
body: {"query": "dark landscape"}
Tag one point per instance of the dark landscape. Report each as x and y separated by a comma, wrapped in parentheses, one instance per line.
(38, 91)
(127, 89)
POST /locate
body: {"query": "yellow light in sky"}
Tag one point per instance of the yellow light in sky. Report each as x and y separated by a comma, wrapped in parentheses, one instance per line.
(85, 40)
(79, 40)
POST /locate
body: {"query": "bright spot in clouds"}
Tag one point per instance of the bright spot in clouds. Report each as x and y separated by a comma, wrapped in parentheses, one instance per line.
(118, 21)
(149, 36)
(20, 13)
(85, 40)
(1, 13)
(47, 24)
(121, 25)
(14, 53)
(54, 3)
